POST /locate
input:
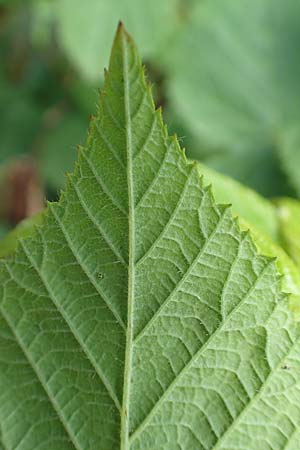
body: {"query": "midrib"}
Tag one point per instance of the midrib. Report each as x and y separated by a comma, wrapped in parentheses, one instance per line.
(124, 440)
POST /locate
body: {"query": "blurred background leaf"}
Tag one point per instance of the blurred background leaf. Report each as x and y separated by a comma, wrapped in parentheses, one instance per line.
(288, 211)
(226, 73)
(289, 154)
(234, 81)
(85, 30)
(55, 161)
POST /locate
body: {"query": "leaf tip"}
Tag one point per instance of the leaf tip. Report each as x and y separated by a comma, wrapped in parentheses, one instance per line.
(120, 26)
(122, 32)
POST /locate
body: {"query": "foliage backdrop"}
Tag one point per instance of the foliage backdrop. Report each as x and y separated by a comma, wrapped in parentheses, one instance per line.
(226, 73)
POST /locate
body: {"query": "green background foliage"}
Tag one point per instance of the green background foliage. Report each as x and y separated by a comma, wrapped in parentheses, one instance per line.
(227, 74)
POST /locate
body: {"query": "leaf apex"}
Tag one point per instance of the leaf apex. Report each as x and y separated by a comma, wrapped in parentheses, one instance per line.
(123, 33)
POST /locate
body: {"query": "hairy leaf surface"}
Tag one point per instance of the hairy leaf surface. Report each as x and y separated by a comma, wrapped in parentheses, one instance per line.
(273, 229)
(139, 316)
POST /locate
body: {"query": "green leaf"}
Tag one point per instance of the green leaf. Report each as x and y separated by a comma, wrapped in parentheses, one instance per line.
(238, 93)
(4, 228)
(289, 153)
(259, 169)
(261, 217)
(58, 149)
(41, 23)
(289, 222)
(18, 112)
(285, 265)
(9, 240)
(85, 29)
(139, 316)
(246, 203)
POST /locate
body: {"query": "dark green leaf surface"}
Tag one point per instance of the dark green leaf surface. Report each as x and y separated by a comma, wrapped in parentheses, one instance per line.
(139, 316)
(18, 112)
(58, 150)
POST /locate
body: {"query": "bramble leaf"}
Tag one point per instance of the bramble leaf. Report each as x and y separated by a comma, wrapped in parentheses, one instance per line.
(139, 316)
(273, 229)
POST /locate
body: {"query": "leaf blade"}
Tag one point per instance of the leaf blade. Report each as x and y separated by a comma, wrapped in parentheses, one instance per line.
(148, 324)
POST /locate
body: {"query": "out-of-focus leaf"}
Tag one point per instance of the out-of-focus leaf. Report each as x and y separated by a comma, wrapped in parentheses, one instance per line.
(8, 3)
(4, 229)
(21, 192)
(58, 150)
(42, 23)
(9, 241)
(289, 153)
(285, 265)
(255, 209)
(83, 95)
(235, 75)
(259, 169)
(19, 121)
(85, 28)
(289, 221)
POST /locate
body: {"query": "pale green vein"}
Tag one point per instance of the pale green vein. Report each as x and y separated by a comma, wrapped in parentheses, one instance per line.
(102, 185)
(183, 279)
(228, 278)
(103, 97)
(142, 103)
(295, 431)
(109, 145)
(147, 138)
(81, 343)
(84, 269)
(156, 177)
(170, 221)
(256, 397)
(124, 440)
(202, 349)
(47, 391)
(111, 245)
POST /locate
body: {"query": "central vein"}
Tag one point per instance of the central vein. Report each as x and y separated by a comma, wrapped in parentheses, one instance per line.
(124, 441)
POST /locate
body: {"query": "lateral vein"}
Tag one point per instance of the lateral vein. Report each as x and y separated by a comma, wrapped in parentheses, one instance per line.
(82, 345)
(52, 400)
(71, 246)
(201, 350)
